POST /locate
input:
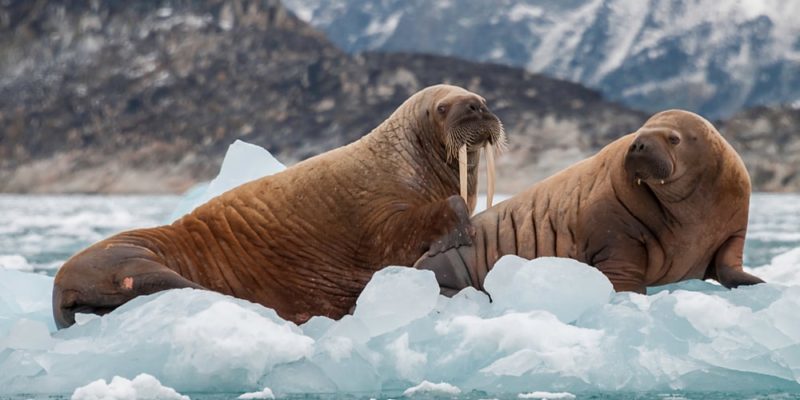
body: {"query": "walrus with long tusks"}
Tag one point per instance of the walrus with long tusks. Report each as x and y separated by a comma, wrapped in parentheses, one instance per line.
(664, 204)
(307, 240)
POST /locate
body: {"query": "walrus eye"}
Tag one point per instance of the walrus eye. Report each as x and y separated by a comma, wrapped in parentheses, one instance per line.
(442, 109)
(674, 139)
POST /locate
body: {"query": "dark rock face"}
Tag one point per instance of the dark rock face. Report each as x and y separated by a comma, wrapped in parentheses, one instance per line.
(148, 85)
(713, 57)
(145, 96)
(768, 140)
(127, 97)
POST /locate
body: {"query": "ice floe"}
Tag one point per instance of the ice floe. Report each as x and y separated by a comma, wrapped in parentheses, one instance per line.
(546, 395)
(265, 393)
(430, 387)
(689, 336)
(15, 261)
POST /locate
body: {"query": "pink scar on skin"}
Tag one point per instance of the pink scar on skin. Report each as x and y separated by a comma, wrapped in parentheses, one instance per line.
(127, 283)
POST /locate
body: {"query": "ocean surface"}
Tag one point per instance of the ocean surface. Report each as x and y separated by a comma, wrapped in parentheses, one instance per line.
(37, 233)
(46, 230)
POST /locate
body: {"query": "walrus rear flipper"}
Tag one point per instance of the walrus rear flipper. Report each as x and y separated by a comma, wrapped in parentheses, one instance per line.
(99, 280)
(728, 265)
(450, 269)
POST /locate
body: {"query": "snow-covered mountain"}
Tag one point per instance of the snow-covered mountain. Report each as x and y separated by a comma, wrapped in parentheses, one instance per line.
(711, 56)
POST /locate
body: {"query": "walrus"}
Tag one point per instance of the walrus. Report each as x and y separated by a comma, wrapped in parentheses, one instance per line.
(307, 240)
(666, 203)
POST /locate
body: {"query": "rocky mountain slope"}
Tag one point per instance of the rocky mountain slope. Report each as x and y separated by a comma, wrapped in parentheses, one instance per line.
(714, 57)
(127, 97)
(769, 141)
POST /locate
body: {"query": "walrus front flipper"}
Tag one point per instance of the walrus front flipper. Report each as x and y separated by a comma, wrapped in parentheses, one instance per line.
(450, 268)
(624, 275)
(100, 279)
(728, 265)
(461, 230)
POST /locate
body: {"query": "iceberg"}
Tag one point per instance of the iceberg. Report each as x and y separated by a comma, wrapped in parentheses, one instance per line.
(243, 163)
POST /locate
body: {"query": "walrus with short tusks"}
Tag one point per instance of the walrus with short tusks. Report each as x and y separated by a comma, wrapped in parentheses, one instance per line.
(307, 240)
(664, 204)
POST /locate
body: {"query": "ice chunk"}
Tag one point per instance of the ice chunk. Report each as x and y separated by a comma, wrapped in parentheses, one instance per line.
(394, 297)
(546, 395)
(27, 334)
(469, 301)
(429, 387)
(243, 163)
(24, 296)
(142, 387)
(564, 287)
(265, 393)
(783, 269)
(227, 336)
(515, 344)
(408, 362)
(15, 261)
(191, 339)
(317, 326)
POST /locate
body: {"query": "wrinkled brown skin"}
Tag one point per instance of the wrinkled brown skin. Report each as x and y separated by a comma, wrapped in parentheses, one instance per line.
(691, 227)
(307, 240)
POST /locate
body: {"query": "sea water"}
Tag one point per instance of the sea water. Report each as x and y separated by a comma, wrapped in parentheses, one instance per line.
(38, 233)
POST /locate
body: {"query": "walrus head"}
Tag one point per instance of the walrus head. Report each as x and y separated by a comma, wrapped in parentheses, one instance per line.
(673, 148)
(466, 125)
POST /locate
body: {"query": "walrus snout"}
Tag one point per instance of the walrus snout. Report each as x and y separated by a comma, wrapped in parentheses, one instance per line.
(474, 123)
(471, 127)
(648, 157)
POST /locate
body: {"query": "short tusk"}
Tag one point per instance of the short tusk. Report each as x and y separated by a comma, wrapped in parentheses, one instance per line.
(639, 181)
(490, 173)
(462, 172)
(662, 181)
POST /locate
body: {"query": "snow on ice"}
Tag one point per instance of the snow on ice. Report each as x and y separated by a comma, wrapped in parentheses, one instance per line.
(265, 393)
(142, 387)
(430, 387)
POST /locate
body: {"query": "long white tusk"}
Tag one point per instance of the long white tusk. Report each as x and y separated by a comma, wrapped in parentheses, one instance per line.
(490, 173)
(462, 172)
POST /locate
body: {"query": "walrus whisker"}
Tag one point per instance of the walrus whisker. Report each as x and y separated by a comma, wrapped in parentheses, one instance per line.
(462, 171)
(490, 173)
